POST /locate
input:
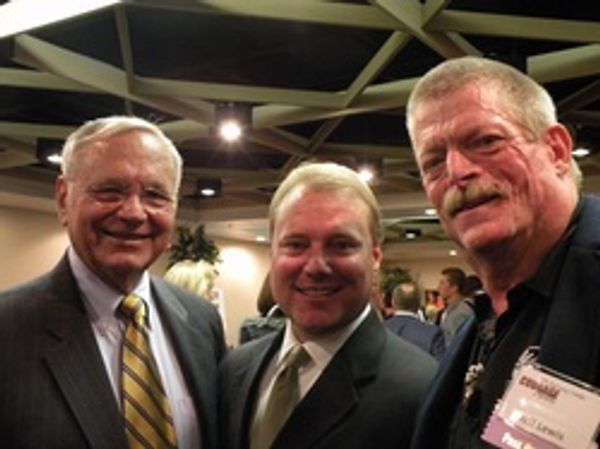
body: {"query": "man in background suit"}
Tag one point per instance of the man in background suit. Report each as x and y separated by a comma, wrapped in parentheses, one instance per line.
(456, 310)
(499, 169)
(406, 323)
(360, 385)
(61, 334)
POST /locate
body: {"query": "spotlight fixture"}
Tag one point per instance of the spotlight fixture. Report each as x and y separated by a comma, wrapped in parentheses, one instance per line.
(48, 152)
(209, 187)
(411, 234)
(366, 174)
(580, 153)
(231, 120)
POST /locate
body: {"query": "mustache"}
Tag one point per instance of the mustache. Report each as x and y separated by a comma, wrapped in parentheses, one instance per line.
(458, 199)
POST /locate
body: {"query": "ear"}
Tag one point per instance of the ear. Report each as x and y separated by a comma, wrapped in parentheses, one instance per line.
(559, 141)
(377, 256)
(60, 195)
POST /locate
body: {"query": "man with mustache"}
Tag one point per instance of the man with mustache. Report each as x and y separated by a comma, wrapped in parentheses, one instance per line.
(92, 348)
(334, 377)
(498, 167)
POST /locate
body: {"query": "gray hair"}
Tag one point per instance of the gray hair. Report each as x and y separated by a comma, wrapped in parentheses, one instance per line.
(526, 101)
(109, 126)
(329, 177)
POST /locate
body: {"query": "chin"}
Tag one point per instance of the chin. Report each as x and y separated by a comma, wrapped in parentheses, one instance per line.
(482, 238)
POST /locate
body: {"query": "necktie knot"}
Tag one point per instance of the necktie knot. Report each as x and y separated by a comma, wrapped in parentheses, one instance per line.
(134, 308)
(297, 357)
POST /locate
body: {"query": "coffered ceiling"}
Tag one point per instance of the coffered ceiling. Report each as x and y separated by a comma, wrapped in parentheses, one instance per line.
(324, 80)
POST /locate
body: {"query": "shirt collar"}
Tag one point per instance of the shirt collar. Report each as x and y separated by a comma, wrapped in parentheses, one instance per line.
(405, 313)
(323, 348)
(101, 301)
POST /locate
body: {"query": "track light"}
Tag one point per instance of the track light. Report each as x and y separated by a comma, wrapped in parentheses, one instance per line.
(209, 187)
(231, 120)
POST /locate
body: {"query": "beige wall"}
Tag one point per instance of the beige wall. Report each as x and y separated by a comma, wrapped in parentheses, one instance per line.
(32, 242)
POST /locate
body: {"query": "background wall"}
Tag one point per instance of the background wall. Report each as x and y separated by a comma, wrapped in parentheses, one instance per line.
(33, 241)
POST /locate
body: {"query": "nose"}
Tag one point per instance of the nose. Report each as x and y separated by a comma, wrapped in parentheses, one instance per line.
(132, 209)
(317, 264)
(459, 166)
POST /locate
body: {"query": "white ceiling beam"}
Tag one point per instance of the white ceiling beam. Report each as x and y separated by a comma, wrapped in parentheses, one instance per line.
(44, 56)
(33, 79)
(23, 16)
(374, 98)
(409, 14)
(565, 64)
(388, 51)
(235, 92)
(35, 129)
(516, 26)
(126, 53)
(11, 158)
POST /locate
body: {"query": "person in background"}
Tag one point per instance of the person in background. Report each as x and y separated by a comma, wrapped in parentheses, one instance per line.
(406, 322)
(499, 169)
(457, 310)
(195, 276)
(270, 319)
(433, 306)
(67, 334)
(334, 377)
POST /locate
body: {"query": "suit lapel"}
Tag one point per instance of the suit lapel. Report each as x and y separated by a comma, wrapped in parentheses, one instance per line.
(74, 360)
(248, 391)
(572, 336)
(336, 392)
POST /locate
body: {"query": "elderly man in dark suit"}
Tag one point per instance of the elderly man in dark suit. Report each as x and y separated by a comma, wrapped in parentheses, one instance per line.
(75, 363)
(499, 169)
(334, 377)
(406, 323)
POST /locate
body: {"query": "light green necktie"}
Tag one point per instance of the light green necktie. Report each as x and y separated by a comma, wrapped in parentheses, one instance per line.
(281, 402)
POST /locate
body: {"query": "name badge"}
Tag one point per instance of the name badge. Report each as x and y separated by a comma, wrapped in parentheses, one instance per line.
(542, 409)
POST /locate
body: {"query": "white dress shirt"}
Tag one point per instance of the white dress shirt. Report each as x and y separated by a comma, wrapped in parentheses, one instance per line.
(321, 351)
(101, 303)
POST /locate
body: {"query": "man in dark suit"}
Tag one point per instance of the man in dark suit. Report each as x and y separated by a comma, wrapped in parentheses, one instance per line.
(498, 167)
(61, 334)
(357, 385)
(406, 323)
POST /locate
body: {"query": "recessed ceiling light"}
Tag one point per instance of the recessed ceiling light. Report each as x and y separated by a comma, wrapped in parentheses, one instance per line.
(54, 158)
(366, 174)
(230, 130)
(207, 191)
(260, 238)
(430, 211)
(580, 152)
(453, 252)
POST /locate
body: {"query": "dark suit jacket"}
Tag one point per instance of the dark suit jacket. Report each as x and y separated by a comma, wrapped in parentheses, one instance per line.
(570, 341)
(54, 388)
(366, 397)
(426, 336)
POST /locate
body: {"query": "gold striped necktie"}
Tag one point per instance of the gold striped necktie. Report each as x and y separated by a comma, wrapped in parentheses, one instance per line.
(148, 419)
(282, 400)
